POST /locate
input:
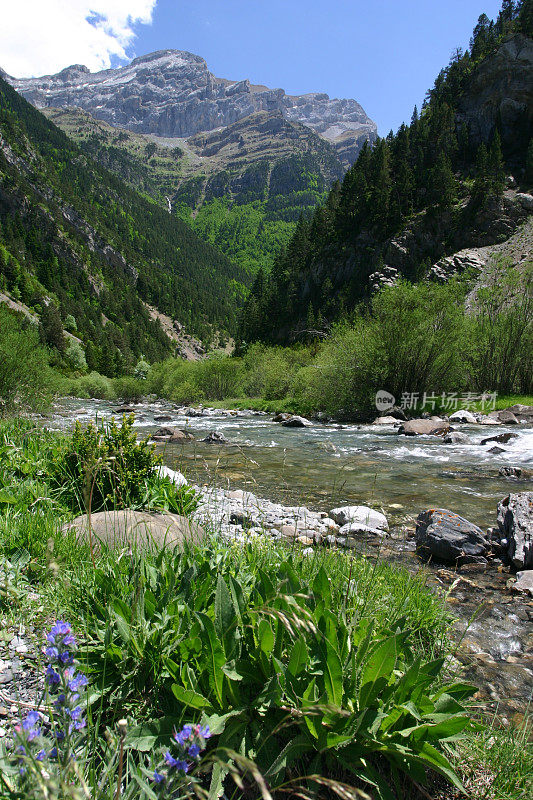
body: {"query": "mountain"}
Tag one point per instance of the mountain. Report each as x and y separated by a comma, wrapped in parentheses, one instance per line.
(458, 177)
(172, 94)
(76, 238)
(239, 163)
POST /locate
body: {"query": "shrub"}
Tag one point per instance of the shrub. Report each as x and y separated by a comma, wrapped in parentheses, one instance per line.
(75, 356)
(129, 389)
(92, 385)
(26, 380)
(103, 466)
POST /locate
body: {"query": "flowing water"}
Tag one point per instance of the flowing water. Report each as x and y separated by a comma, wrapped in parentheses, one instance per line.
(328, 465)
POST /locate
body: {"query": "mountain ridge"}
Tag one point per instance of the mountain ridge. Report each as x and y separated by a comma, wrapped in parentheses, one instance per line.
(172, 93)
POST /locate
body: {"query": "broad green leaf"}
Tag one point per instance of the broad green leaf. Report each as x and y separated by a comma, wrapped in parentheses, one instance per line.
(380, 664)
(215, 656)
(266, 636)
(296, 748)
(189, 697)
(332, 667)
(299, 657)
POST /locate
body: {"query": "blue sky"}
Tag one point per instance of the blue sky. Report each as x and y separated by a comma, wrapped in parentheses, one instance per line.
(384, 53)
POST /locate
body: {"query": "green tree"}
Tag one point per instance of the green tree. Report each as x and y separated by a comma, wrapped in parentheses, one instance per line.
(443, 186)
(26, 379)
(51, 328)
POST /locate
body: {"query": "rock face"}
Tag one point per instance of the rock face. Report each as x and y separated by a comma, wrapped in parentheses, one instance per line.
(135, 529)
(448, 537)
(501, 91)
(171, 93)
(515, 521)
(424, 427)
(447, 267)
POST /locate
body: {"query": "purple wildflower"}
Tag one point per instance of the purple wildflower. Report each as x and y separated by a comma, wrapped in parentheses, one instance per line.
(158, 777)
(41, 755)
(52, 677)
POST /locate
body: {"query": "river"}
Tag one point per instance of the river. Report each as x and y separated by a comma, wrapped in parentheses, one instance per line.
(330, 465)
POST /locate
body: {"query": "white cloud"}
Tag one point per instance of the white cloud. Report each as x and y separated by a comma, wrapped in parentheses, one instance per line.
(40, 37)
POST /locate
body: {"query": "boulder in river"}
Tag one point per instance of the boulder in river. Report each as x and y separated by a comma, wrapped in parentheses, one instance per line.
(515, 521)
(456, 438)
(215, 437)
(171, 435)
(124, 410)
(448, 537)
(363, 515)
(360, 529)
(510, 472)
(127, 528)
(486, 420)
(463, 416)
(297, 422)
(524, 582)
(506, 417)
(522, 412)
(424, 427)
(501, 438)
(385, 421)
(281, 417)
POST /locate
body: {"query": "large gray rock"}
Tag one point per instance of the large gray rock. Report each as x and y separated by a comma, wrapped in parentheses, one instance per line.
(463, 416)
(524, 582)
(363, 515)
(296, 422)
(515, 521)
(215, 437)
(464, 260)
(446, 536)
(501, 438)
(385, 421)
(525, 200)
(424, 427)
(456, 438)
(141, 529)
(359, 529)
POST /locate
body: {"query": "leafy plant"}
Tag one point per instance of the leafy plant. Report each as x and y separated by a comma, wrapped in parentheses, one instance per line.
(103, 466)
(262, 657)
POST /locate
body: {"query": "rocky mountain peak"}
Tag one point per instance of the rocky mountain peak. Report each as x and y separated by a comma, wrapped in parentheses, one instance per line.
(172, 93)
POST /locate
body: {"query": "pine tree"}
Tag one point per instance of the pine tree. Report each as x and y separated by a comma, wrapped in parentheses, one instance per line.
(525, 17)
(529, 163)
(51, 328)
(496, 166)
(481, 189)
(443, 186)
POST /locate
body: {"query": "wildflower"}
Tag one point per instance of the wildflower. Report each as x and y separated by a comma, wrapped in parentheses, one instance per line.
(52, 677)
(41, 755)
(204, 732)
(158, 777)
(77, 681)
(194, 750)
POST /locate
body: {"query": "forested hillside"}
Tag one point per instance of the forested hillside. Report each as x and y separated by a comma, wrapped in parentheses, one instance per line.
(83, 250)
(438, 185)
(243, 187)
